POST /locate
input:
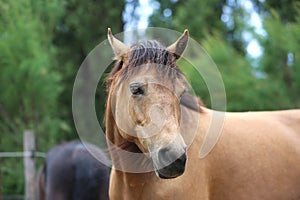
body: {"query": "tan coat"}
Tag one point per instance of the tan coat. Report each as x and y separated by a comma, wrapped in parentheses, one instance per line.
(257, 157)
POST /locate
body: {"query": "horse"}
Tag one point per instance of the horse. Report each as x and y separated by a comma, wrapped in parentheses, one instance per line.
(71, 172)
(155, 153)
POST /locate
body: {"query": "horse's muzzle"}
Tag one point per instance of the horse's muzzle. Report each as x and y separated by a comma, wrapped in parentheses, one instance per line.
(174, 169)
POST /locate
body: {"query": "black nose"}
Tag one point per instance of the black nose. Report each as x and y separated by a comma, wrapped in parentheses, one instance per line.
(170, 165)
(181, 159)
(167, 156)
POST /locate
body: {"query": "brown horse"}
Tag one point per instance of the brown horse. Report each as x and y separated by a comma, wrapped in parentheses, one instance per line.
(150, 125)
(70, 172)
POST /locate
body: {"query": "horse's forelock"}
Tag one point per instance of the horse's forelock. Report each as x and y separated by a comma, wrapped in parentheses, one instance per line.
(148, 51)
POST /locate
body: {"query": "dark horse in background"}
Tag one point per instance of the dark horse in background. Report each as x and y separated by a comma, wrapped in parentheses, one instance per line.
(70, 172)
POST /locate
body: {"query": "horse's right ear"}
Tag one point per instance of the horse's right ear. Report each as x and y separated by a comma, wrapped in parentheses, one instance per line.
(119, 48)
(178, 47)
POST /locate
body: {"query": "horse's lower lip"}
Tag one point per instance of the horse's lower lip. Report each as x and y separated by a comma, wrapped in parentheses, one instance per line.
(166, 173)
(173, 170)
(164, 176)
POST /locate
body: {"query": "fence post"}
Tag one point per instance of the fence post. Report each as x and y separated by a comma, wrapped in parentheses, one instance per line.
(29, 164)
(0, 186)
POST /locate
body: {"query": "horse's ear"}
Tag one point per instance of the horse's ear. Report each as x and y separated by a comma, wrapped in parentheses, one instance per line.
(119, 48)
(178, 47)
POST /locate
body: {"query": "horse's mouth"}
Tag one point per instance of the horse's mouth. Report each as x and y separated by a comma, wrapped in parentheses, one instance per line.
(173, 170)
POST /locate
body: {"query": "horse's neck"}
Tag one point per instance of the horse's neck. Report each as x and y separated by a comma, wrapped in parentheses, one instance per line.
(125, 155)
(131, 185)
(194, 124)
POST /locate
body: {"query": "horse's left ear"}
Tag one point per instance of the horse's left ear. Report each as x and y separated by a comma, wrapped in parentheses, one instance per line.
(119, 48)
(178, 47)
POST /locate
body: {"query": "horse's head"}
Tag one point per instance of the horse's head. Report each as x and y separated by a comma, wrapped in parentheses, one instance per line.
(144, 89)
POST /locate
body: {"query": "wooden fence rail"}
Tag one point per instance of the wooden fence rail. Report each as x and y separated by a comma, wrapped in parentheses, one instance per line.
(23, 154)
(29, 154)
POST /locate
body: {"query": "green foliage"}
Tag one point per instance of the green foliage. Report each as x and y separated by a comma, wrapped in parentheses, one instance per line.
(236, 74)
(281, 55)
(29, 86)
(245, 90)
(287, 9)
(83, 25)
(203, 18)
(159, 17)
(274, 83)
(200, 17)
(42, 44)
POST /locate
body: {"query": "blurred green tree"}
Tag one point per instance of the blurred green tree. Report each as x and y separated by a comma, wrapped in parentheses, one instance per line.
(280, 61)
(245, 88)
(203, 18)
(29, 84)
(286, 10)
(222, 42)
(42, 44)
(219, 26)
(81, 28)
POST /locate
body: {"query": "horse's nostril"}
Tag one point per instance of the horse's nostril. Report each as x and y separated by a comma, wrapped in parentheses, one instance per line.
(164, 155)
(167, 156)
(182, 158)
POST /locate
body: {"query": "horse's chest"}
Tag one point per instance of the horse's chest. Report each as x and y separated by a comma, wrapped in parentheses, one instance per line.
(146, 190)
(162, 189)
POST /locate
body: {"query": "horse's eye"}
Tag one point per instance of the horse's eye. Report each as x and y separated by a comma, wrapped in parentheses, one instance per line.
(137, 88)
